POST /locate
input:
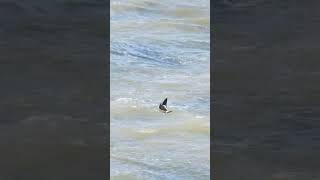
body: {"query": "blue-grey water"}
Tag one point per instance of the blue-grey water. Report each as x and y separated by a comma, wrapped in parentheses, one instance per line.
(160, 49)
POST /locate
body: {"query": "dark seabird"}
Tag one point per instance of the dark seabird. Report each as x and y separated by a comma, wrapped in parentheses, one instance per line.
(163, 107)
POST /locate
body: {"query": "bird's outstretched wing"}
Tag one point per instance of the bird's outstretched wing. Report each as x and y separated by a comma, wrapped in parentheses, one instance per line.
(164, 102)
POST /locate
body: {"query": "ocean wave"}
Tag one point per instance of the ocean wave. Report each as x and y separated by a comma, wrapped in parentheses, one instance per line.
(141, 7)
(194, 126)
(161, 26)
(121, 7)
(145, 53)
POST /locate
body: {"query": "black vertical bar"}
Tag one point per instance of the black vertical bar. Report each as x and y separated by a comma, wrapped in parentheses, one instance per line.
(54, 89)
(212, 26)
(108, 90)
(266, 90)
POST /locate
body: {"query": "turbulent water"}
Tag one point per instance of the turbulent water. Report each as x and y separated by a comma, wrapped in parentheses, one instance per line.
(160, 49)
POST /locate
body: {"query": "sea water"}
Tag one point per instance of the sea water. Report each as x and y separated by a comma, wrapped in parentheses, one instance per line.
(158, 50)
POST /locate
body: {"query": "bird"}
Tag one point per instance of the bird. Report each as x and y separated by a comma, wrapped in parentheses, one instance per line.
(163, 107)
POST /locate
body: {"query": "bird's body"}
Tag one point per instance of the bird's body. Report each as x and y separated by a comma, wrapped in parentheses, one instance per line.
(163, 107)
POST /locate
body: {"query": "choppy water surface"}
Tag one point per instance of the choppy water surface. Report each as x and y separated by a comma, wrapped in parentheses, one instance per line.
(160, 49)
